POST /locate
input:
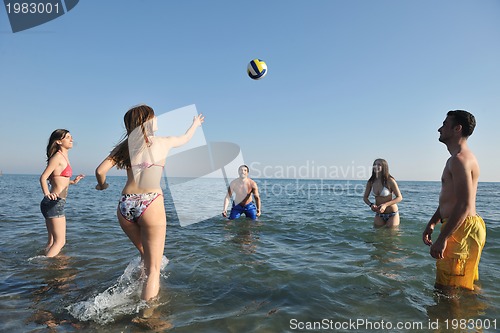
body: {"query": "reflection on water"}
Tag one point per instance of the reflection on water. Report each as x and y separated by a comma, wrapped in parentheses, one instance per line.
(58, 276)
(243, 232)
(58, 279)
(455, 305)
(386, 243)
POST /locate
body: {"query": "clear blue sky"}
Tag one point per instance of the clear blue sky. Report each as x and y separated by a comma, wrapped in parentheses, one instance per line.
(348, 81)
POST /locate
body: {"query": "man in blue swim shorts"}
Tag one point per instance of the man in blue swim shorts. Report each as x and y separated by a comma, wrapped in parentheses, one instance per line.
(244, 189)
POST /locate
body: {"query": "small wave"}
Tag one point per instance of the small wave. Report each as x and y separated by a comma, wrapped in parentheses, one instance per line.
(36, 258)
(122, 298)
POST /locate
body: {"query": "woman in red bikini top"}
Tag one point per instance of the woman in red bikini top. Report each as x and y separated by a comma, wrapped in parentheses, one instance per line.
(57, 174)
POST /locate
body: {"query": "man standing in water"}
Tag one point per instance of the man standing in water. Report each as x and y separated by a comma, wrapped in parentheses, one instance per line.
(463, 232)
(243, 188)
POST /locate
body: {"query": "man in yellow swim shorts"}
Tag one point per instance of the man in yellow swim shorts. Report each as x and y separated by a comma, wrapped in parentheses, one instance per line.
(463, 233)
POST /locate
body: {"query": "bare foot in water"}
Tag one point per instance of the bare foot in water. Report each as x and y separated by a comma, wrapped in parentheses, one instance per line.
(155, 324)
(148, 319)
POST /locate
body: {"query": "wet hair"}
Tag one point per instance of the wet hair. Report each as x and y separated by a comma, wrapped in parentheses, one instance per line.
(53, 146)
(385, 172)
(465, 119)
(246, 166)
(134, 118)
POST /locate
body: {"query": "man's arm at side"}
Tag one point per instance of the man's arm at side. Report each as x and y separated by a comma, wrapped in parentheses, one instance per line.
(256, 197)
(426, 236)
(227, 199)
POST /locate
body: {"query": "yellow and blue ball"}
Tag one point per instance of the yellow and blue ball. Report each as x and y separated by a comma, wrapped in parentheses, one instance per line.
(257, 69)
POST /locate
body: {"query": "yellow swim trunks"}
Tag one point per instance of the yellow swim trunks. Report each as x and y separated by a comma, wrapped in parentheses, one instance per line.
(459, 267)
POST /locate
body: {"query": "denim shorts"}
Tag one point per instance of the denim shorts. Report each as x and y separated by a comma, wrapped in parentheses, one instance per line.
(52, 208)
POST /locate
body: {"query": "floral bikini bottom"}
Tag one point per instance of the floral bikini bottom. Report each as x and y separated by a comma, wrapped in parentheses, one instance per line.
(132, 206)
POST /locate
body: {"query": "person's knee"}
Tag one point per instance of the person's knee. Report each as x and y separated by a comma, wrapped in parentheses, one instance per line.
(59, 243)
(59, 239)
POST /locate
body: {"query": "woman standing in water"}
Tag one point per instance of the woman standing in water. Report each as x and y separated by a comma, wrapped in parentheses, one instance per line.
(58, 174)
(386, 192)
(141, 211)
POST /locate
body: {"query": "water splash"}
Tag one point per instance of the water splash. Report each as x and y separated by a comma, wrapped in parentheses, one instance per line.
(37, 258)
(122, 298)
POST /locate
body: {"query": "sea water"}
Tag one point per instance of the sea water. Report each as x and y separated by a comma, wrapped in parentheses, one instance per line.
(312, 262)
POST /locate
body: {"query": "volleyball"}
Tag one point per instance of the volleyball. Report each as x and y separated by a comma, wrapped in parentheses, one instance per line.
(257, 69)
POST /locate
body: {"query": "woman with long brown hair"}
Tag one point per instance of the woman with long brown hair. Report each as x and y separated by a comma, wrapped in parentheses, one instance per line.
(387, 195)
(141, 210)
(57, 174)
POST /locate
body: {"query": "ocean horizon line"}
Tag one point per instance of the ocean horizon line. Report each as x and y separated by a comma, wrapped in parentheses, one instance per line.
(269, 178)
